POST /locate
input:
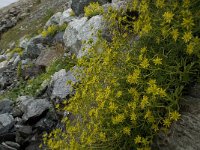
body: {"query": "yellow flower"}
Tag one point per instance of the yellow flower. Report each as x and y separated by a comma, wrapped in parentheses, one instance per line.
(187, 23)
(162, 92)
(144, 102)
(133, 79)
(132, 105)
(143, 50)
(187, 36)
(165, 32)
(133, 92)
(147, 28)
(148, 114)
(153, 89)
(143, 7)
(133, 116)
(112, 107)
(167, 122)
(190, 48)
(174, 115)
(140, 57)
(155, 127)
(127, 130)
(160, 3)
(102, 136)
(138, 139)
(186, 3)
(93, 112)
(119, 94)
(168, 16)
(152, 82)
(89, 140)
(175, 34)
(157, 61)
(145, 63)
(118, 119)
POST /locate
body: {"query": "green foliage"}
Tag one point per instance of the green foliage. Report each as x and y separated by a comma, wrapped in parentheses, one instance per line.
(53, 29)
(131, 90)
(19, 70)
(93, 9)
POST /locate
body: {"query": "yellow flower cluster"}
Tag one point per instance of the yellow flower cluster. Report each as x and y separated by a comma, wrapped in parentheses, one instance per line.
(130, 90)
(93, 9)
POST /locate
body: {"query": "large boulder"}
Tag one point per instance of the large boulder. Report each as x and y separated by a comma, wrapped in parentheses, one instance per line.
(71, 36)
(78, 5)
(81, 31)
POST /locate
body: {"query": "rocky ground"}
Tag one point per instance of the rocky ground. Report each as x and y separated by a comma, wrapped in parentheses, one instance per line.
(18, 19)
(25, 116)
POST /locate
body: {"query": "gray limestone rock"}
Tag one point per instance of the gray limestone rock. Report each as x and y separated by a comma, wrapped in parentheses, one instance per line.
(6, 106)
(80, 31)
(54, 20)
(3, 65)
(32, 108)
(60, 86)
(6, 122)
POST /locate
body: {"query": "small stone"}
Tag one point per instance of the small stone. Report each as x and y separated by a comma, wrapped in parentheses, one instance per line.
(7, 147)
(13, 144)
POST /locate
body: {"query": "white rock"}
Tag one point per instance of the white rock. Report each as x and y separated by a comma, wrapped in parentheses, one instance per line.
(3, 65)
(23, 42)
(66, 16)
(59, 82)
(54, 20)
(80, 30)
(6, 122)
